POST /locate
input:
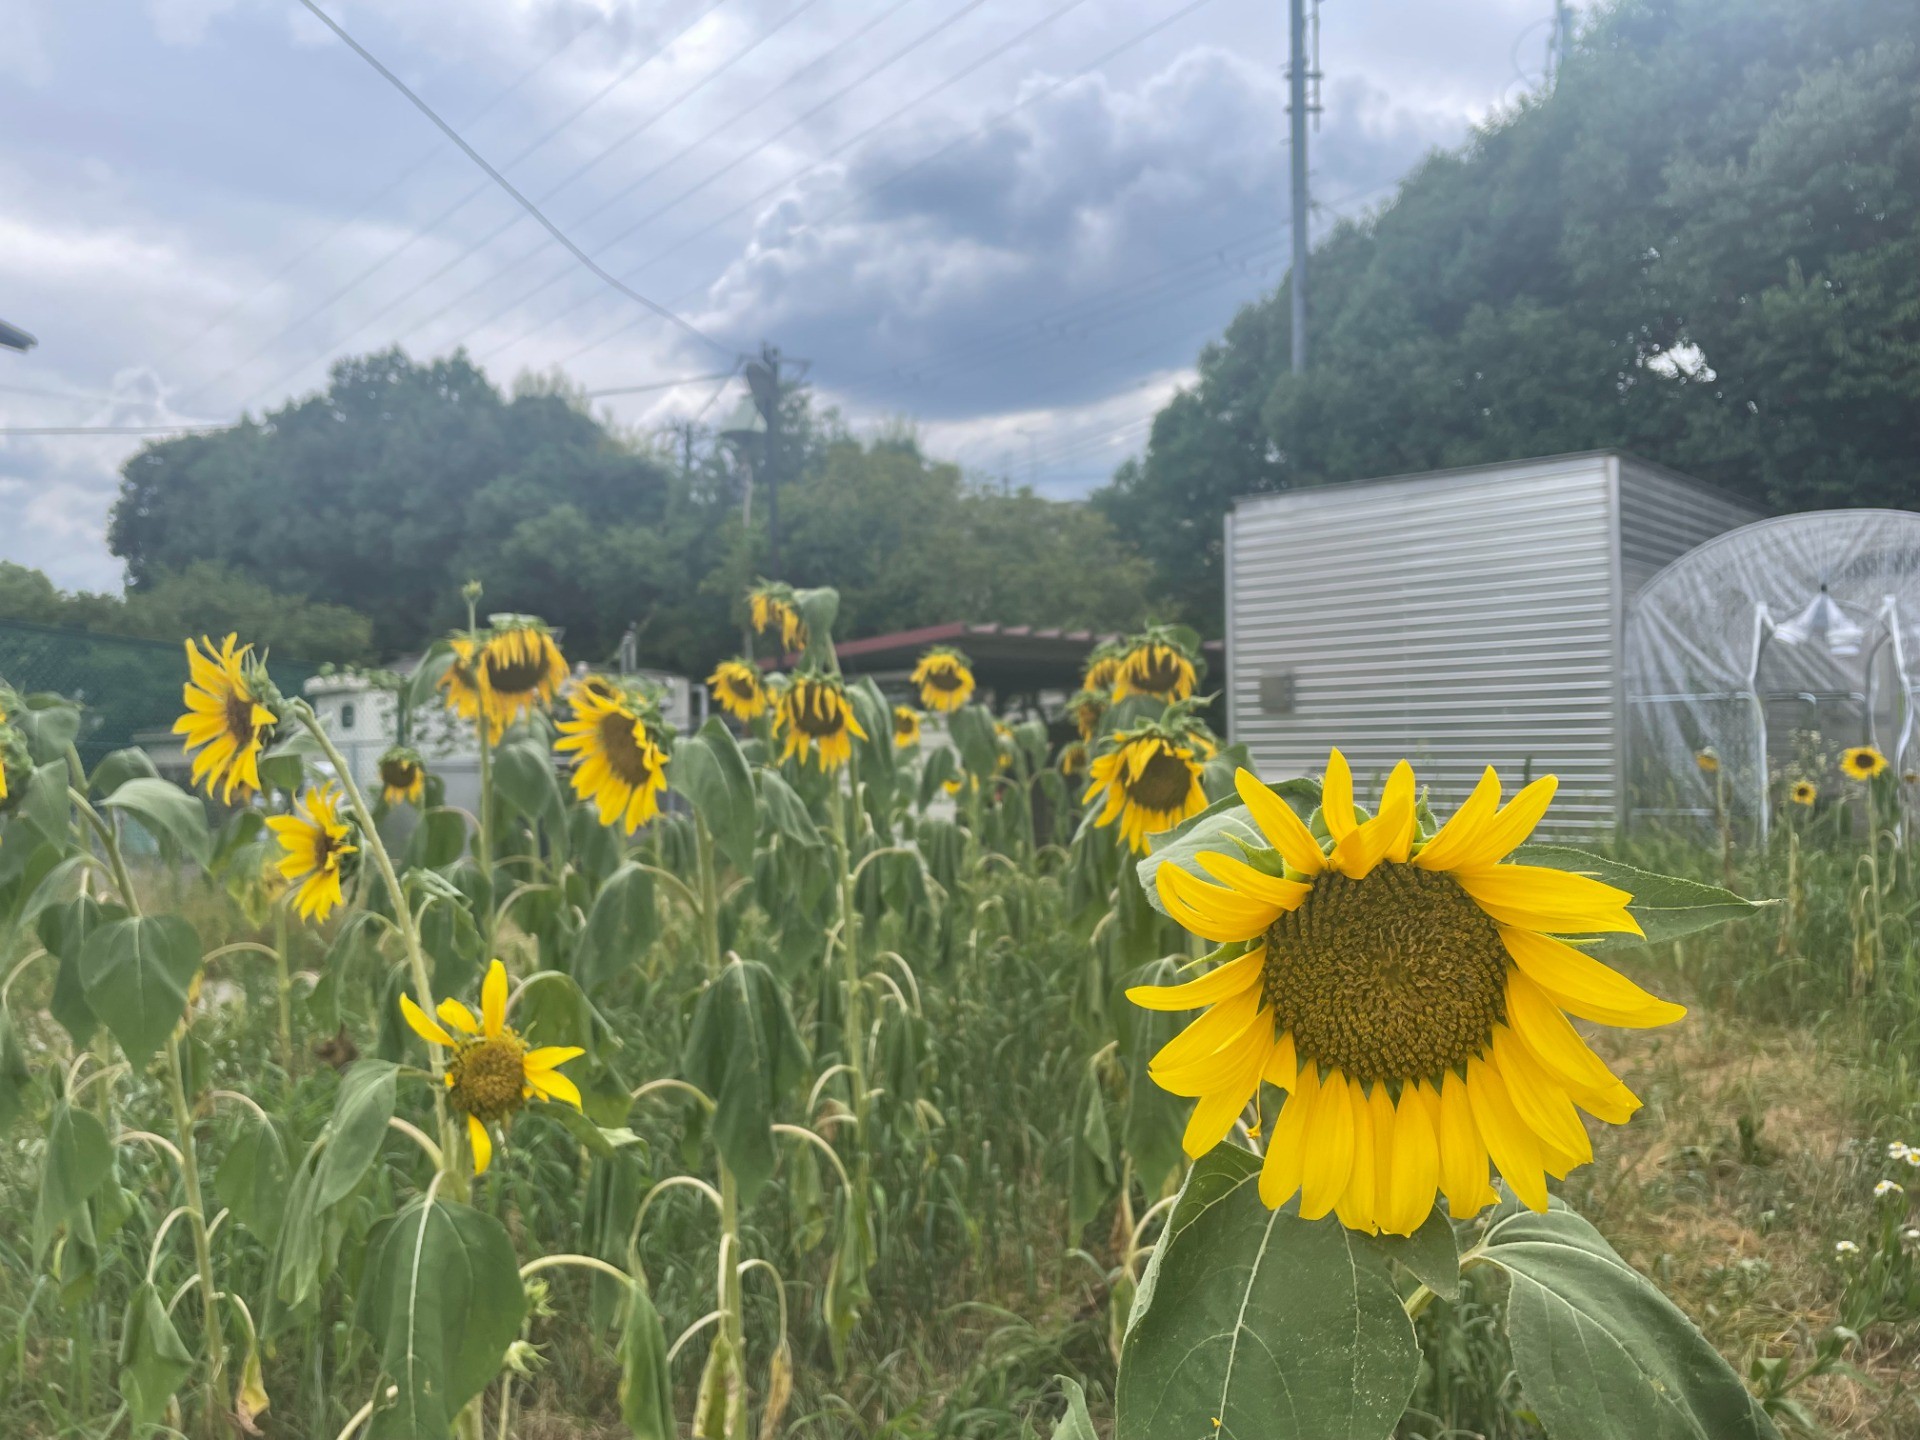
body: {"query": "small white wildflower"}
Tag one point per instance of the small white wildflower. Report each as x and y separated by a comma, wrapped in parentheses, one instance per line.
(1888, 1187)
(1845, 1247)
(1898, 1150)
(1912, 1157)
(1910, 1235)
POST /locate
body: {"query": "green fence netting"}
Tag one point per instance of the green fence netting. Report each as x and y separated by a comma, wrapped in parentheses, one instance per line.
(126, 688)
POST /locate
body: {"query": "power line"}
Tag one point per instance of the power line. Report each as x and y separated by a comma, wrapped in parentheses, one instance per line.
(111, 429)
(659, 385)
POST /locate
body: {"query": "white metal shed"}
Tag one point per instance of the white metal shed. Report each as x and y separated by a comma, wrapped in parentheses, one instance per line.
(1458, 619)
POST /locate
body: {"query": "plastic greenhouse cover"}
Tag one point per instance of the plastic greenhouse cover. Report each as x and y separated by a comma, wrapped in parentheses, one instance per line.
(1715, 661)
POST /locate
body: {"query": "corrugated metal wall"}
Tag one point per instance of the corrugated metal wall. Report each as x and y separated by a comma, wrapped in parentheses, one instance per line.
(1664, 515)
(1458, 620)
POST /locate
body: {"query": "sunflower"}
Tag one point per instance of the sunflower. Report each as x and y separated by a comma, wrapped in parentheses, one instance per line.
(1708, 761)
(1073, 759)
(1151, 780)
(403, 776)
(736, 685)
(621, 768)
(1103, 666)
(225, 721)
(1155, 668)
(592, 683)
(1407, 991)
(945, 679)
(815, 714)
(1804, 792)
(774, 613)
(1862, 762)
(317, 845)
(520, 666)
(492, 1073)
(465, 685)
(906, 726)
(1088, 708)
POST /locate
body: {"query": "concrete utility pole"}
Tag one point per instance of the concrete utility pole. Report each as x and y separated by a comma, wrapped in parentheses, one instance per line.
(1297, 110)
(763, 379)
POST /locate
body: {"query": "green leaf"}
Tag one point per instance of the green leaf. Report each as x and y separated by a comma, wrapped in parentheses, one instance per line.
(712, 773)
(78, 1160)
(939, 767)
(621, 925)
(744, 1050)
(1277, 1328)
(442, 1300)
(46, 807)
(1153, 1119)
(437, 840)
(1431, 1254)
(284, 767)
(523, 775)
(1226, 825)
(50, 724)
(121, 766)
(1600, 1353)
(646, 1386)
(786, 812)
(1076, 1424)
(452, 940)
(135, 972)
(166, 812)
(819, 608)
(15, 1077)
(356, 1131)
(252, 1180)
(1666, 906)
(154, 1361)
(64, 930)
(973, 736)
(1091, 1161)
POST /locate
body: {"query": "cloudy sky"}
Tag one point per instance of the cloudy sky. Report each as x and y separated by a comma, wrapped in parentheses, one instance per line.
(1013, 221)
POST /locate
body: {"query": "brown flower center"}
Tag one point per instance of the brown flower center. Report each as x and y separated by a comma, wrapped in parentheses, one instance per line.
(943, 677)
(625, 746)
(519, 676)
(1397, 976)
(1159, 673)
(240, 716)
(1163, 783)
(399, 774)
(489, 1077)
(819, 712)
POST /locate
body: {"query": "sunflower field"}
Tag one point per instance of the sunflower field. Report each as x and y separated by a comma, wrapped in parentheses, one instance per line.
(849, 1067)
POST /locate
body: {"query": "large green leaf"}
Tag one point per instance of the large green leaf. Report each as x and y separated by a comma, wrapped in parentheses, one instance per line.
(168, 813)
(1225, 825)
(442, 1299)
(620, 926)
(1600, 1353)
(15, 1076)
(523, 774)
(1076, 1424)
(1253, 1324)
(356, 1131)
(710, 771)
(252, 1180)
(1666, 906)
(50, 724)
(744, 1050)
(786, 812)
(154, 1361)
(46, 807)
(437, 840)
(121, 766)
(64, 929)
(78, 1159)
(646, 1384)
(135, 972)
(973, 736)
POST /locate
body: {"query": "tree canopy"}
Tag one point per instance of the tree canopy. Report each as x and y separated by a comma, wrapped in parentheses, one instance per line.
(404, 479)
(1703, 246)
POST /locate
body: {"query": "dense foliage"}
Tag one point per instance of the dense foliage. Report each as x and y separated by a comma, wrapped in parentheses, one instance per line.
(422, 474)
(1700, 246)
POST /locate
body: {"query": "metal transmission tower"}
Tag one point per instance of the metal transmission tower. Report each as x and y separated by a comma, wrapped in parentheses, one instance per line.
(759, 432)
(1303, 87)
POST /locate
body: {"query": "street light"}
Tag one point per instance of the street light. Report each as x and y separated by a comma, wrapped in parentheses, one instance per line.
(12, 337)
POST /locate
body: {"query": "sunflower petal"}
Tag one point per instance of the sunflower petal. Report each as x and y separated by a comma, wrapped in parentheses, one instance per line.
(1287, 832)
(1359, 1198)
(1506, 832)
(457, 1016)
(1283, 1066)
(554, 1086)
(424, 1025)
(493, 1000)
(1287, 1146)
(1553, 1041)
(1256, 884)
(548, 1057)
(1389, 832)
(1577, 982)
(1215, 985)
(1542, 1103)
(1415, 1173)
(482, 1144)
(1513, 1146)
(1336, 797)
(1559, 902)
(1212, 911)
(1452, 838)
(1463, 1153)
(1328, 1163)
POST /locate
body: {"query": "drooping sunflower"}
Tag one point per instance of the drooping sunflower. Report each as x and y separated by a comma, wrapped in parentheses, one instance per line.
(1708, 760)
(1151, 779)
(403, 776)
(1103, 666)
(945, 679)
(225, 721)
(736, 685)
(772, 609)
(817, 719)
(906, 726)
(521, 666)
(1862, 762)
(1804, 792)
(622, 767)
(318, 845)
(1088, 708)
(1073, 759)
(1155, 667)
(492, 1074)
(1407, 992)
(464, 686)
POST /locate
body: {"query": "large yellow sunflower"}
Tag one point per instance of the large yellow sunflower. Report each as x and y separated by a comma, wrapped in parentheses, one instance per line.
(493, 1073)
(906, 726)
(224, 720)
(736, 685)
(1103, 667)
(944, 678)
(1408, 994)
(774, 614)
(316, 842)
(1862, 762)
(520, 666)
(403, 776)
(1151, 781)
(1155, 669)
(621, 768)
(816, 716)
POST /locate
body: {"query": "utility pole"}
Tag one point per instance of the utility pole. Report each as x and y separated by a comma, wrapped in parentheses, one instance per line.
(1559, 39)
(1297, 74)
(763, 379)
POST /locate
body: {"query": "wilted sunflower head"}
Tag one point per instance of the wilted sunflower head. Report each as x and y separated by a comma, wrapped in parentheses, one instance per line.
(1407, 991)
(1862, 762)
(317, 851)
(776, 615)
(736, 686)
(1158, 666)
(463, 686)
(906, 726)
(817, 718)
(226, 723)
(1150, 777)
(1103, 666)
(1804, 792)
(520, 666)
(1088, 708)
(944, 678)
(403, 776)
(492, 1074)
(618, 742)
(1073, 759)
(1708, 760)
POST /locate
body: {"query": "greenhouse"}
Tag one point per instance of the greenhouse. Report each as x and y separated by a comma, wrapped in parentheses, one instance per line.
(1754, 660)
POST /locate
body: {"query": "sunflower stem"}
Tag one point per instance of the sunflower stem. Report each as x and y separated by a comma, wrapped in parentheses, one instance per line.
(853, 1020)
(283, 977)
(732, 1293)
(709, 893)
(482, 727)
